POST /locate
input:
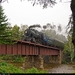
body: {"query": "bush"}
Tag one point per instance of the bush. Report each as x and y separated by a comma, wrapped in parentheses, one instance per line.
(9, 68)
(64, 61)
(13, 58)
(6, 57)
(34, 70)
(18, 58)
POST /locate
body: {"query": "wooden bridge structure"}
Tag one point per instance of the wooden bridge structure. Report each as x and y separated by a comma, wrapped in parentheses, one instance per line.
(33, 52)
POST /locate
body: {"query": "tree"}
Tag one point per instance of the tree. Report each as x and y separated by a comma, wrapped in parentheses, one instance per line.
(22, 29)
(73, 15)
(52, 31)
(5, 34)
(59, 28)
(69, 28)
(69, 48)
(44, 3)
(15, 31)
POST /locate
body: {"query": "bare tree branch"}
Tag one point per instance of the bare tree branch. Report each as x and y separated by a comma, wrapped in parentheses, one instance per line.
(45, 3)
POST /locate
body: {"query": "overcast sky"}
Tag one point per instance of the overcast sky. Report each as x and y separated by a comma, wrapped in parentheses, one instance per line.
(24, 13)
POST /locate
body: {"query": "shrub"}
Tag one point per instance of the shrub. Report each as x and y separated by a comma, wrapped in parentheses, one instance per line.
(9, 68)
(64, 61)
(18, 58)
(34, 70)
(14, 58)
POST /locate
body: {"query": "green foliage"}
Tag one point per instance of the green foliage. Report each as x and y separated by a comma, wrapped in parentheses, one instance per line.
(69, 48)
(6, 57)
(34, 70)
(64, 62)
(5, 34)
(15, 31)
(13, 58)
(9, 68)
(18, 58)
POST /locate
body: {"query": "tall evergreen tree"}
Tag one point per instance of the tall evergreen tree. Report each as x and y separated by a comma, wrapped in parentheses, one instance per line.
(73, 15)
(5, 33)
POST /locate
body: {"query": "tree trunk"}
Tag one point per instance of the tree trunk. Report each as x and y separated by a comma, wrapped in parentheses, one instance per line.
(73, 15)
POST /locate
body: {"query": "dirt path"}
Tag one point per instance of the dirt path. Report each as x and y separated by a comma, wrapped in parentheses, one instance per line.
(63, 68)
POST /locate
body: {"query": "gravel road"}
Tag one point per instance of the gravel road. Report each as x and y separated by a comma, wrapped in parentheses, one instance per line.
(63, 68)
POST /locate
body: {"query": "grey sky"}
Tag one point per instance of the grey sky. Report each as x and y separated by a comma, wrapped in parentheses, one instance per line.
(24, 13)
